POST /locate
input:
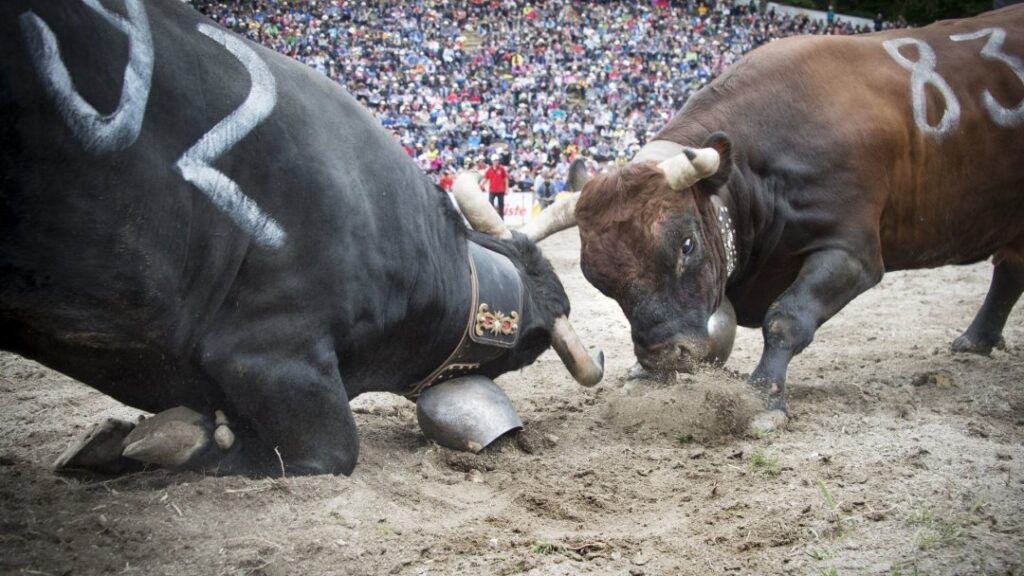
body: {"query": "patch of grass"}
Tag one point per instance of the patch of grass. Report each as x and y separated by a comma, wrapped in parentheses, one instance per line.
(684, 438)
(911, 568)
(937, 531)
(819, 555)
(543, 548)
(839, 521)
(830, 571)
(768, 466)
(829, 500)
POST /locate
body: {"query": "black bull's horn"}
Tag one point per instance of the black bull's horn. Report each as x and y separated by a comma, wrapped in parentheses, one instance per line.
(587, 370)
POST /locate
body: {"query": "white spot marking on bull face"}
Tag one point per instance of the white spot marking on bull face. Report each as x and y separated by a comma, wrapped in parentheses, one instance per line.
(98, 133)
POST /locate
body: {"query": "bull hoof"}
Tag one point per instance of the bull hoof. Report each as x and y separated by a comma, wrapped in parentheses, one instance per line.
(968, 345)
(99, 449)
(768, 422)
(170, 439)
(638, 372)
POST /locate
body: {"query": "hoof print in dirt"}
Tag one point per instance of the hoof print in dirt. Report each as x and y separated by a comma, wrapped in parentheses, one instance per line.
(467, 413)
(937, 378)
(99, 450)
(171, 438)
(768, 422)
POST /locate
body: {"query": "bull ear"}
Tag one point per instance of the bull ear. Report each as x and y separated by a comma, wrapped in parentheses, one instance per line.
(578, 175)
(723, 145)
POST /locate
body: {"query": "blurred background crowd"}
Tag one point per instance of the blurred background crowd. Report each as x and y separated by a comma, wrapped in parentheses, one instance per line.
(533, 82)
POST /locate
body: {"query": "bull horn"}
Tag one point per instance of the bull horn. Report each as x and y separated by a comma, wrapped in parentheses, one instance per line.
(586, 369)
(474, 205)
(684, 170)
(579, 175)
(554, 218)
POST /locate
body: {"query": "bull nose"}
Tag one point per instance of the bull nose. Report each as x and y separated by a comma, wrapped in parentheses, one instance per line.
(676, 353)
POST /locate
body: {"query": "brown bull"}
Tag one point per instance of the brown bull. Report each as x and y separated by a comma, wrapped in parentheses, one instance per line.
(817, 164)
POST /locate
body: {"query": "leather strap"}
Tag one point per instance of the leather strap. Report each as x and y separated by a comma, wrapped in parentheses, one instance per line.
(496, 306)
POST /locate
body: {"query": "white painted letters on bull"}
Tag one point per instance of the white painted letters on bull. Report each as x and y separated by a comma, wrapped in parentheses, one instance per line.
(98, 133)
(195, 166)
(1008, 117)
(922, 73)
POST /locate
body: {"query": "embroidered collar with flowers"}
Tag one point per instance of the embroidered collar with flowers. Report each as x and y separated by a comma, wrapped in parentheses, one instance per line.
(494, 314)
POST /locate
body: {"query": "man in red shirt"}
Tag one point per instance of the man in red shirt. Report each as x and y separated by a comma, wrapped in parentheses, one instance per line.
(446, 181)
(497, 183)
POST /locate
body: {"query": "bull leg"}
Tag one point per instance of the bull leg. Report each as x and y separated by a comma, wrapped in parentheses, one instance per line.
(827, 282)
(288, 407)
(986, 331)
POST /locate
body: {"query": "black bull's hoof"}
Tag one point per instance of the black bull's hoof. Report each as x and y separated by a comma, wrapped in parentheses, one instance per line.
(177, 439)
(100, 450)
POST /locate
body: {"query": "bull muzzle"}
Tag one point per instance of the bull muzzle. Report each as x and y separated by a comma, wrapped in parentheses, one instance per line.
(684, 353)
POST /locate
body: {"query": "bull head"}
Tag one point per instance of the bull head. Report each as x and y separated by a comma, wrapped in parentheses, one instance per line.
(651, 240)
(586, 369)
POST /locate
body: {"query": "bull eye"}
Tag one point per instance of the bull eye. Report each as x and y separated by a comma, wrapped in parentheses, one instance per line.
(688, 246)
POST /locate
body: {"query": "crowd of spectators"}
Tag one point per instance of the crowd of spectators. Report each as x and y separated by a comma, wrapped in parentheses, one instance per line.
(534, 82)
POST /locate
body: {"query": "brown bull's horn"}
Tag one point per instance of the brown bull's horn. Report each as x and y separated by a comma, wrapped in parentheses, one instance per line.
(555, 218)
(586, 369)
(682, 172)
(473, 203)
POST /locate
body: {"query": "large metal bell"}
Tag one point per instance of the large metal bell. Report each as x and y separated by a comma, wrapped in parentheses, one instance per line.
(722, 332)
(466, 413)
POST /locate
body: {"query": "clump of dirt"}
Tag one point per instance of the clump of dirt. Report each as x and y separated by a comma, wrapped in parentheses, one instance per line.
(710, 407)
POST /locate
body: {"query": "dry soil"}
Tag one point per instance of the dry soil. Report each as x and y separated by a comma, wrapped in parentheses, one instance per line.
(901, 458)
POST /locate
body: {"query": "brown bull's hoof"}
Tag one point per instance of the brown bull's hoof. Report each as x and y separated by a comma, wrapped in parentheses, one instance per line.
(968, 345)
(638, 372)
(171, 438)
(99, 449)
(768, 422)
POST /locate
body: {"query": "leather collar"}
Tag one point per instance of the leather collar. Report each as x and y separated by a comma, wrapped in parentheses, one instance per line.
(496, 308)
(728, 233)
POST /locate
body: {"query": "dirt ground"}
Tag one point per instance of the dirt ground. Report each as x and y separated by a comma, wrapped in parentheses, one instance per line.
(901, 458)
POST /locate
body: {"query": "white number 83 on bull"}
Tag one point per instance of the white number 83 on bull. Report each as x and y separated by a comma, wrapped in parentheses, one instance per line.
(923, 73)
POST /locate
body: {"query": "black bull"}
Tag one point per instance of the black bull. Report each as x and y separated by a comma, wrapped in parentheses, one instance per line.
(187, 218)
